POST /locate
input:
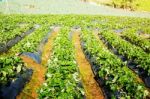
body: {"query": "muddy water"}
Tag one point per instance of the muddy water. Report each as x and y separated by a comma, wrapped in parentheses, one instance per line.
(91, 87)
(38, 77)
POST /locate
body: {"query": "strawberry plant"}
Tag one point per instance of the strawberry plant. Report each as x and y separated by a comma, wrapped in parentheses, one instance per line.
(131, 52)
(120, 81)
(62, 78)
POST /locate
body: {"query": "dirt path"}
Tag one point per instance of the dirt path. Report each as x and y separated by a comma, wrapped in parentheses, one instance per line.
(92, 89)
(38, 77)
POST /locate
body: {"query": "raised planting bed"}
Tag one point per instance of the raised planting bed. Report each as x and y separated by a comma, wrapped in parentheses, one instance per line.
(131, 61)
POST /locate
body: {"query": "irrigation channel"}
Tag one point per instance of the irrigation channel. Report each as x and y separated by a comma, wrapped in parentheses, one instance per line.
(39, 70)
(91, 87)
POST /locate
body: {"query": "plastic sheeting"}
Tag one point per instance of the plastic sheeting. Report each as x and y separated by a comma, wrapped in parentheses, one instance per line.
(143, 74)
(15, 87)
(35, 56)
(15, 40)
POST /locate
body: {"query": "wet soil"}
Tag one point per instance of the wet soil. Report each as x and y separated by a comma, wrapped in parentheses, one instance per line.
(39, 70)
(92, 89)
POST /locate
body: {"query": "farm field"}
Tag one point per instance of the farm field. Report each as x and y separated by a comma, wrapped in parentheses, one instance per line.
(74, 57)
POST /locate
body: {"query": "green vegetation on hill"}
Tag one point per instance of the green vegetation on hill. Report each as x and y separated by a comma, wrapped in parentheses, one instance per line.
(125, 4)
(141, 5)
(144, 5)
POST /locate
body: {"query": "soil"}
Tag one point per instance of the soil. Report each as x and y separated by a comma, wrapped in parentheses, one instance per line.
(48, 47)
(38, 77)
(145, 36)
(39, 70)
(92, 89)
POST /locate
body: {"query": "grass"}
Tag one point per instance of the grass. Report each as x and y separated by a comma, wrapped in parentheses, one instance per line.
(144, 5)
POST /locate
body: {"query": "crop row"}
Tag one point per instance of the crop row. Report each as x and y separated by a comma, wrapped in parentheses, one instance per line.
(131, 36)
(129, 51)
(10, 26)
(10, 64)
(62, 77)
(10, 67)
(119, 81)
(32, 41)
(4, 37)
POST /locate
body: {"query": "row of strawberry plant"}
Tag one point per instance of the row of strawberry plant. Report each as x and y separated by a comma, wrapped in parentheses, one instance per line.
(121, 23)
(129, 51)
(32, 41)
(119, 81)
(131, 36)
(12, 65)
(13, 29)
(9, 40)
(8, 23)
(145, 29)
(4, 37)
(62, 77)
(13, 76)
(13, 25)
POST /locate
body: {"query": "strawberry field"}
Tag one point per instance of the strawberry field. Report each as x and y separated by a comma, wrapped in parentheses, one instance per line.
(40, 57)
